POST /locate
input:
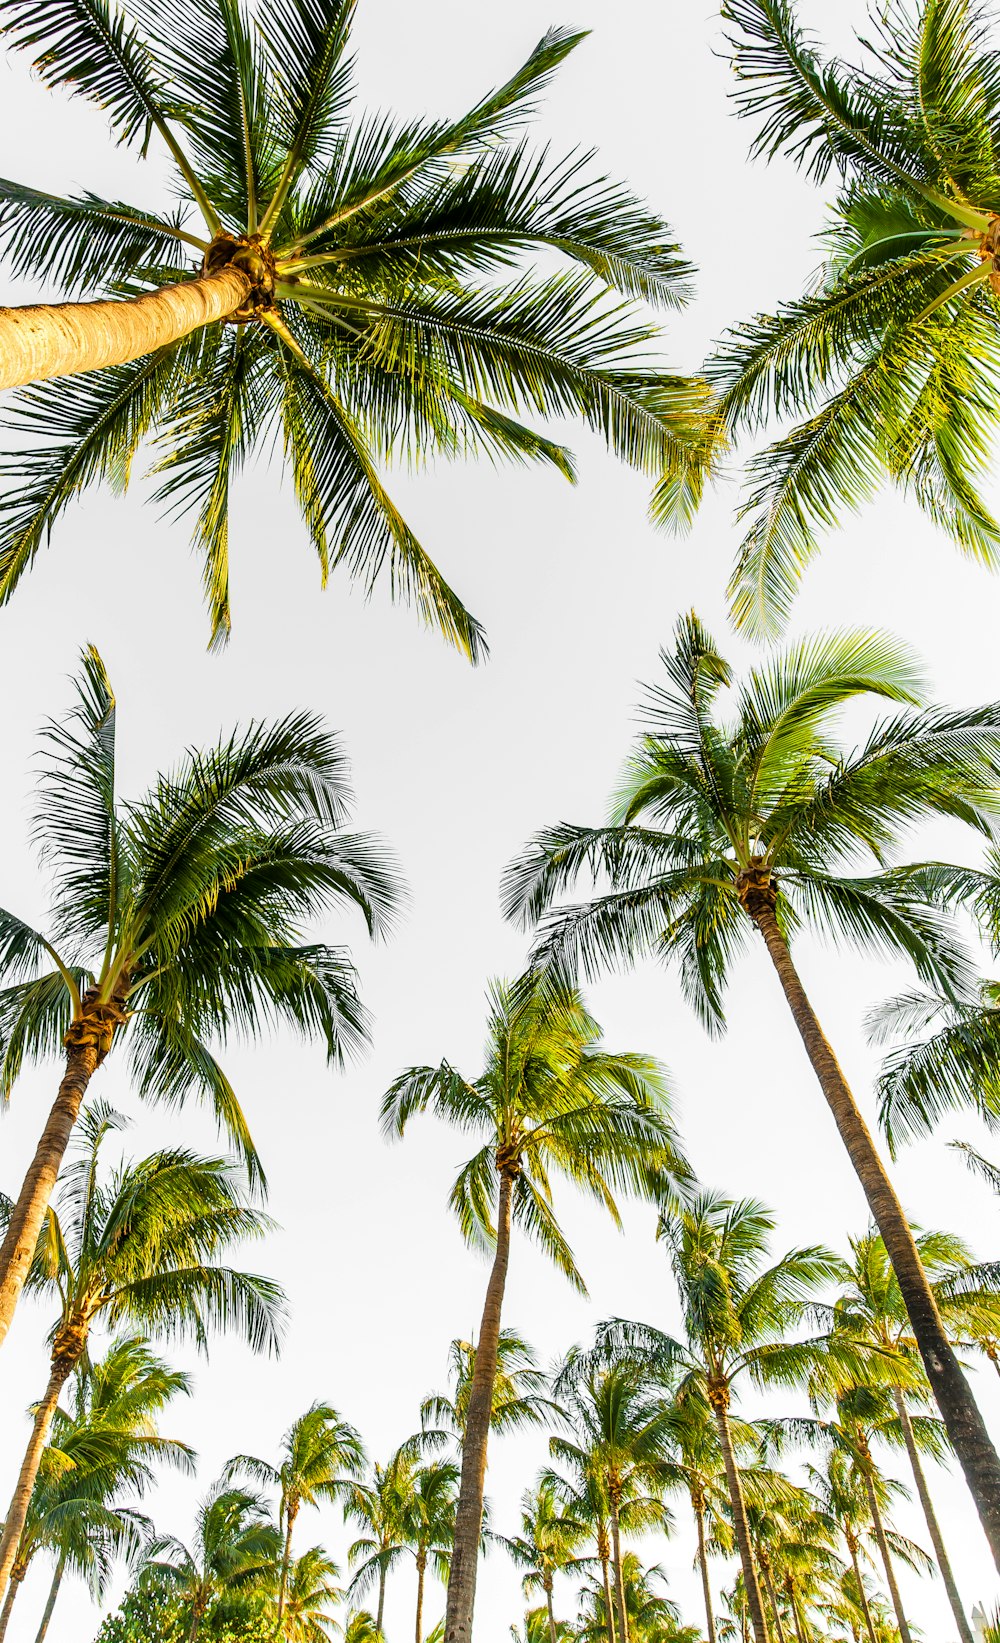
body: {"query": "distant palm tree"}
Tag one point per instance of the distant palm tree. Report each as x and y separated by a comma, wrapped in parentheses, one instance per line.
(177, 919)
(519, 1392)
(548, 1539)
(359, 272)
(311, 1592)
(652, 1616)
(758, 819)
(321, 1458)
(583, 1491)
(429, 1525)
(887, 363)
(139, 1246)
(231, 1563)
(379, 1504)
(697, 1466)
(549, 1099)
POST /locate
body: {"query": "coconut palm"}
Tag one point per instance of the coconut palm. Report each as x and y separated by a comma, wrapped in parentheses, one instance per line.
(311, 1591)
(230, 1564)
(549, 1099)
(697, 1466)
(742, 1320)
(549, 1537)
(652, 1616)
(178, 920)
(382, 287)
(618, 1432)
(379, 1504)
(519, 1398)
(584, 1497)
(760, 821)
(883, 364)
(139, 1245)
(429, 1525)
(100, 1454)
(321, 1458)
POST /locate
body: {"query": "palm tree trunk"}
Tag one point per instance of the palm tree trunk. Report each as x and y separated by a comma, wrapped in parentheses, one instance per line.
(50, 1601)
(772, 1597)
(616, 1552)
(553, 1633)
(16, 1581)
(469, 1512)
(381, 1598)
(965, 1425)
(706, 1585)
(28, 1213)
(719, 1399)
(890, 1573)
(17, 1511)
(62, 340)
(421, 1565)
(862, 1594)
(800, 1632)
(286, 1560)
(609, 1607)
(930, 1518)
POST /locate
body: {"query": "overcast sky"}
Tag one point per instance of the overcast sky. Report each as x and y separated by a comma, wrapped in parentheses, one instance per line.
(457, 767)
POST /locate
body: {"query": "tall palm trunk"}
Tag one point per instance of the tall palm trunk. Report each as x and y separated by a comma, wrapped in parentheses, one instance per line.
(852, 1547)
(719, 1399)
(698, 1506)
(421, 1566)
(286, 1560)
(616, 1552)
(469, 1512)
(930, 1518)
(890, 1573)
(772, 1597)
(381, 1599)
(966, 1428)
(62, 340)
(793, 1604)
(16, 1579)
(50, 1601)
(604, 1554)
(553, 1633)
(63, 1360)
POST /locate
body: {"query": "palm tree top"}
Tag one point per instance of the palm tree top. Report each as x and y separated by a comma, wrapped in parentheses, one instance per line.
(393, 308)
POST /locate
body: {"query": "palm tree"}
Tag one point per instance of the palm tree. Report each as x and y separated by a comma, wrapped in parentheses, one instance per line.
(584, 1496)
(697, 1465)
(619, 1434)
(379, 1505)
(652, 1617)
(232, 1560)
(759, 822)
(321, 1458)
(178, 920)
(884, 364)
(429, 1525)
(358, 270)
(311, 1591)
(549, 1099)
(139, 1245)
(518, 1392)
(99, 1455)
(549, 1537)
(739, 1315)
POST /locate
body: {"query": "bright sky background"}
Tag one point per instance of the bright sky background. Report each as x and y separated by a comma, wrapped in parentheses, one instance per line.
(457, 767)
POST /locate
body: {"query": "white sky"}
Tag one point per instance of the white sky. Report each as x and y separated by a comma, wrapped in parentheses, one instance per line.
(457, 768)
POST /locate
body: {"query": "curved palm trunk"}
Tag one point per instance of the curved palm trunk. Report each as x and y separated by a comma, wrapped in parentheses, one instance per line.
(50, 1602)
(469, 1512)
(930, 1518)
(719, 1399)
(706, 1586)
(616, 1553)
(862, 1594)
(17, 1511)
(28, 1213)
(553, 1633)
(62, 340)
(890, 1573)
(421, 1566)
(960, 1412)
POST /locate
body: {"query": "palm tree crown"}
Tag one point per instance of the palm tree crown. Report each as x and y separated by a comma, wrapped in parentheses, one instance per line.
(364, 266)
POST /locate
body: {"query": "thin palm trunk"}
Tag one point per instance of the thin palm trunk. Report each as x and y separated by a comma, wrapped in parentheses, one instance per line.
(17, 1511)
(930, 1518)
(16, 1582)
(469, 1512)
(421, 1565)
(28, 1213)
(381, 1598)
(50, 1601)
(890, 1573)
(741, 1528)
(553, 1634)
(862, 1594)
(772, 1598)
(797, 1621)
(960, 1412)
(609, 1607)
(616, 1552)
(64, 339)
(286, 1560)
(706, 1586)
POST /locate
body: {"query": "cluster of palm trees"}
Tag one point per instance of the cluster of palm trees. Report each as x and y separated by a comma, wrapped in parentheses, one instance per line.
(376, 288)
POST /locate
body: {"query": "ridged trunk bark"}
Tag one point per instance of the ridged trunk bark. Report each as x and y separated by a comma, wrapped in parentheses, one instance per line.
(852, 1547)
(50, 1601)
(421, 1567)
(890, 1573)
(469, 1513)
(698, 1508)
(69, 337)
(930, 1518)
(960, 1412)
(17, 1511)
(719, 1399)
(616, 1553)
